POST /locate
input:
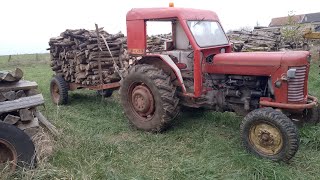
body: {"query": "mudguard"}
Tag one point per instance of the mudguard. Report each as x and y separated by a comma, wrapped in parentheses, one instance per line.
(168, 61)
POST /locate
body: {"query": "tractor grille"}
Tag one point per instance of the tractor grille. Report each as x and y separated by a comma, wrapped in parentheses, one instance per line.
(296, 85)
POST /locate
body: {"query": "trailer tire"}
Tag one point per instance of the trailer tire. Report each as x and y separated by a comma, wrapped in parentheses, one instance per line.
(16, 146)
(59, 90)
(270, 134)
(148, 98)
(313, 115)
(105, 92)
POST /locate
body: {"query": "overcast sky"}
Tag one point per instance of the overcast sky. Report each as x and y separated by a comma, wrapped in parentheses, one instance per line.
(27, 25)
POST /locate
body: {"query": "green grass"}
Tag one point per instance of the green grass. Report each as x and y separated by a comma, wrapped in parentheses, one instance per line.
(97, 143)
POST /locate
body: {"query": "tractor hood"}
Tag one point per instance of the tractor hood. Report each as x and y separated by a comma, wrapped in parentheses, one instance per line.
(263, 58)
(256, 63)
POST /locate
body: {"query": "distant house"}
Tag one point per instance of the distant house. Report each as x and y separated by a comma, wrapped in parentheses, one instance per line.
(312, 18)
(282, 21)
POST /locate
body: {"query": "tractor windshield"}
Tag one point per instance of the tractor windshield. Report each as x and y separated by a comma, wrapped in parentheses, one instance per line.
(207, 33)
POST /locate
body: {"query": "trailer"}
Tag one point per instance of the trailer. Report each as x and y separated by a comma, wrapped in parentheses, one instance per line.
(59, 89)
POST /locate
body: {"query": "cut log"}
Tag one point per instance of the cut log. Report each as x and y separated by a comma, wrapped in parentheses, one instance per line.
(29, 124)
(32, 92)
(25, 102)
(2, 98)
(8, 76)
(20, 85)
(10, 95)
(43, 120)
(11, 119)
(20, 94)
(25, 114)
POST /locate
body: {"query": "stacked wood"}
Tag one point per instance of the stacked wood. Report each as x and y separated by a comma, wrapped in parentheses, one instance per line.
(261, 39)
(156, 42)
(18, 103)
(11, 76)
(256, 40)
(77, 55)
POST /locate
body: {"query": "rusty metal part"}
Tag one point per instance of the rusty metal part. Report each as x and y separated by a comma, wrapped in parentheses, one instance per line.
(291, 106)
(55, 93)
(142, 100)
(266, 138)
(74, 86)
(8, 154)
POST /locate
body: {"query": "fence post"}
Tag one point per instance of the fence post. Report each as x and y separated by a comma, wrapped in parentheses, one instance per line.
(9, 58)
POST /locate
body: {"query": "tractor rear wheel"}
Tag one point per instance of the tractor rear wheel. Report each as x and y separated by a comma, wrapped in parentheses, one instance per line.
(16, 148)
(270, 134)
(59, 90)
(148, 98)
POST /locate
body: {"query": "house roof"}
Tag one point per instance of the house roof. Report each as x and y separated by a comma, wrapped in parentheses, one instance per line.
(312, 17)
(302, 18)
(281, 21)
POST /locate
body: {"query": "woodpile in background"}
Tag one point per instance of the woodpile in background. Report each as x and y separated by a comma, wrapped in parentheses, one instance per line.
(76, 55)
(156, 42)
(261, 39)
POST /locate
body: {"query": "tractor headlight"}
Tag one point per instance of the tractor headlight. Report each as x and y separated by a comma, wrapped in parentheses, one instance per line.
(291, 73)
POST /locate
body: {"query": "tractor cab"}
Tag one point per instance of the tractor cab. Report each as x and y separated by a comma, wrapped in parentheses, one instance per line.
(196, 35)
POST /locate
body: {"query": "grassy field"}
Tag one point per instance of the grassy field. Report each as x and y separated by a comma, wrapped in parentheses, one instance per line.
(97, 143)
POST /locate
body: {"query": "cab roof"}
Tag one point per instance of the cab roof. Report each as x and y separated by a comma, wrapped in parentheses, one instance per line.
(171, 12)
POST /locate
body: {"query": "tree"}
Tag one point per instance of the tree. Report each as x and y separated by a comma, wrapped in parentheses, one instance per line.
(292, 32)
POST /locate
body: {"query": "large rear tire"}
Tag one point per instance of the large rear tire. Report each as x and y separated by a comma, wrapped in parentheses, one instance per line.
(16, 147)
(148, 98)
(270, 134)
(59, 90)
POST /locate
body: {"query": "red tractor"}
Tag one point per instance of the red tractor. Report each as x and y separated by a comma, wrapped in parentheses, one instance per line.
(197, 69)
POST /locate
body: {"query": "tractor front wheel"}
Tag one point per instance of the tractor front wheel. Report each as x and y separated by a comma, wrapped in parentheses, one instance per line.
(270, 134)
(148, 98)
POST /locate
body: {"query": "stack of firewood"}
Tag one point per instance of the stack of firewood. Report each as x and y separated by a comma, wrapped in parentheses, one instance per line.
(18, 102)
(263, 39)
(77, 54)
(256, 40)
(156, 42)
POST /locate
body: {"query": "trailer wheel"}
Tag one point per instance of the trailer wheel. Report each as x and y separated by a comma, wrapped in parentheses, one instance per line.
(148, 98)
(312, 115)
(105, 92)
(270, 134)
(59, 90)
(16, 147)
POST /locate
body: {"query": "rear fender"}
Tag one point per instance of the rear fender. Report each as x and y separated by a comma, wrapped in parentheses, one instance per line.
(165, 63)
